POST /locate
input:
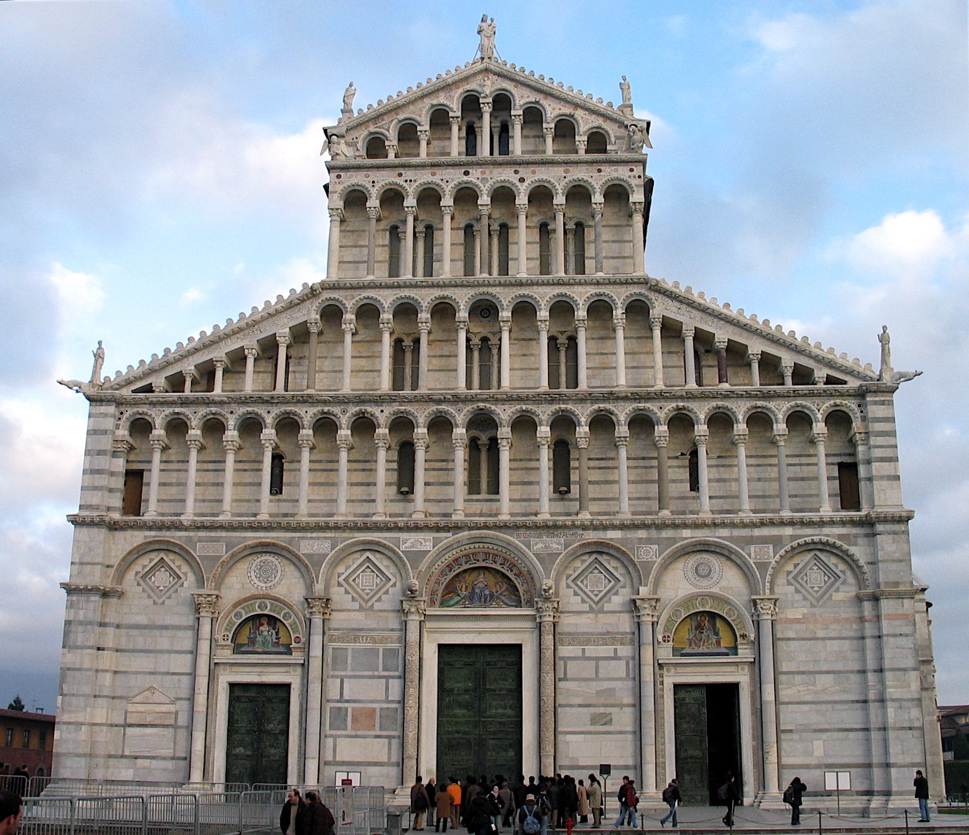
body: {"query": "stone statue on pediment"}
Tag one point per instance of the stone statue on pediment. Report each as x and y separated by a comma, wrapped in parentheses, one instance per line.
(885, 340)
(486, 31)
(348, 95)
(636, 140)
(98, 354)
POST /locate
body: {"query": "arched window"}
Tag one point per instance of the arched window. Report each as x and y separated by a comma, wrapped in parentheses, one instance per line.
(469, 249)
(276, 468)
(393, 251)
(503, 249)
(483, 467)
(578, 258)
(503, 140)
(596, 143)
(376, 148)
(562, 467)
(544, 249)
(428, 251)
(405, 468)
(694, 465)
(470, 140)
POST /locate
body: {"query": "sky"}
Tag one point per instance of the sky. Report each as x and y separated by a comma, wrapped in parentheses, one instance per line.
(160, 172)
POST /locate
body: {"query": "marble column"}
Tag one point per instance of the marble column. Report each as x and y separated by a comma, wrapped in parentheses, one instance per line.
(547, 615)
(424, 328)
(421, 239)
(560, 239)
(447, 211)
(637, 236)
(622, 442)
(753, 358)
(863, 456)
(780, 438)
(282, 341)
(460, 442)
(318, 612)
(570, 250)
(765, 610)
(823, 500)
(504, 473)
(505, 378)
(720, 348)
(485, 149)
(700, 437)
(656, 324)
(420, 464)
(580, 325)
(461, 352)
(422, 137)
(413, 609)
(543, 353)
(743, 490)
(194, 442)
(484, 213)
(220, 364)
(689, 358)
(548, 131)
(268, 441)
(477, 251)
(344, 445)
(562, 344)
(349, 329)
(516, 133)
(306, 443)
(408, 249)
(408, 349)
(313, 326)
(619, 327)
(158, 441)
(251, 353)
(373, 213)
(206, 610)
(787, 372)
(121, 445)
(544, 440)
(475, 365)
(333, 254)
(231, 444)
(521, 209)
(386, 329)
(455, 135)
(381, 441)
(646, 609)
(597, 237)
(582, 442)
(189, 376)
(661, 438)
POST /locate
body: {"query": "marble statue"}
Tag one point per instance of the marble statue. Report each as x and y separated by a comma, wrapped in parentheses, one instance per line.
(627, 95)
(486, 30)
(885, 340)
(98, 354)
(348, 95)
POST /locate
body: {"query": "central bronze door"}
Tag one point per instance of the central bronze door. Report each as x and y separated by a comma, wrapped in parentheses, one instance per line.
(479, 704)
(706, 719)
(257, 737)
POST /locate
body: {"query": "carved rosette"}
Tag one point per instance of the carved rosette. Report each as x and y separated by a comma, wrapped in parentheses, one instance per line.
(765, 607)
(319, 607)
(206, 604)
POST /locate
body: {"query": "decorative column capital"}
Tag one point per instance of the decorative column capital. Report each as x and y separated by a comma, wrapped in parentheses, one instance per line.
(622, 436)
(765, 608)
(543, 436)
(860, 436)
(454, 120)
(268, 439)
(349, 323)
(548, 130)
(122, 443)
(386, 324)
(343, 439)
(373, 212)
(486, 105)
(194, 440)
(158, 440)
(740, 436)
(580, 323)
(305, 439)
(313, 324)
(221, 362)
(190, 374)
(597, 206)
(251, 351)
(230, 440)
(420, 439)
(459, 439)
(504, 438)
(689, 332)
(661, 437)
(787, 366)
(504, 321)
(546, 609)
(447, 209)
(582, 437)
(720, 344)
(423, 133)
(283, 338)
(521, 208)
(319, 607)
(410, 210)
(206, 604)
(543, 324)
(413, 608)
(646, 609)
(517, 118)
(424, 323)
(818, 435)
(336, 214)
(619, 321)
(701, 435)
(779, 436)
(753, 356)
(655, 320)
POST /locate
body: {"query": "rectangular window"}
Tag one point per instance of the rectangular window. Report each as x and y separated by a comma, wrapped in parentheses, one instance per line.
(134, 485)
(25, 743)
(848, 485)
(42, 740)
(8, 738)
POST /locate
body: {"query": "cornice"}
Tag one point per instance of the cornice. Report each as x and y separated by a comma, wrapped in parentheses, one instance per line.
(505, 161)
(889, 594)
(324, 526)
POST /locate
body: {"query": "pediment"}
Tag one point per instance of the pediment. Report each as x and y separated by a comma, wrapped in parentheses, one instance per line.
(151, 696)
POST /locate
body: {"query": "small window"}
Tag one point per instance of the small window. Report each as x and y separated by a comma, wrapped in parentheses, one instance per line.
(42, 740)
(8, 738)
(579, 249)
(469, 249)
(471, 140)
(503, 140)
(544, 249)
(428, 251)
(376, 148)
(393, 251)
(134, 485)
(276, 469)
(694, 471)
(25, 743)
(596, 143)
(503, 249)
(405, 468)
(848, 485)
(562, 467)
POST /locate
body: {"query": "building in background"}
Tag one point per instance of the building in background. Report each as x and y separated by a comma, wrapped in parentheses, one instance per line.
(492, 499)
(26, 745)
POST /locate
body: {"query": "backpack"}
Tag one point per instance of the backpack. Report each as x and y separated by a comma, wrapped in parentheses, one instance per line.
(632, 800)
(789, 795)
(724, 791)
(531, 825)
(668, 794)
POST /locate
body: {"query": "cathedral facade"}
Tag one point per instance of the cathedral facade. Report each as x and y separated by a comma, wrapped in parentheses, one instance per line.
(489, 498)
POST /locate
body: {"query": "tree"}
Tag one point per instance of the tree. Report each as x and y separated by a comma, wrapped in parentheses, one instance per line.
(16, 704)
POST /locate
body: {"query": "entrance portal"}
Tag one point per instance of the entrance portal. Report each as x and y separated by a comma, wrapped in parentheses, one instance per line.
(257, 737)
(706, 719)
(479, 710)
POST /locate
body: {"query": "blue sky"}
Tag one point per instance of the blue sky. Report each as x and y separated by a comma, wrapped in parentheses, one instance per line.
(160, 172)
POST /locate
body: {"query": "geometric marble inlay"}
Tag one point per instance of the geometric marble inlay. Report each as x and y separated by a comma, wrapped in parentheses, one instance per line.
(703, 571)
(366, 581)
(265, 571)
(816, 579)
(594, 581)
(160, 579)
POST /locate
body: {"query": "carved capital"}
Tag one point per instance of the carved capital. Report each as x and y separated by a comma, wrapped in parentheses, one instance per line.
(318, 607)
(313, 324)
(656, 320)
(206, 604)
(753, 356)
(547, 611)
(251, 351)
(689, 332)
(122, 443)
(765, 607)
(413, 608)
(158, 440)
(646, 608)
(336, 214)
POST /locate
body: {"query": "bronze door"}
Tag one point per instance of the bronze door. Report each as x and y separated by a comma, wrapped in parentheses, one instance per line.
(706, 719)
(257, 737)
(479, 698)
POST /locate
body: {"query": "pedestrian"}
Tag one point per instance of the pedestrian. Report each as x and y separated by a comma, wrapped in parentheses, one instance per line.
(922, 795)
(318, 820)
(443, 801)
(455, 791)
(792, 795)
(291, 816)
(506, 800)
(632, 801)
(595, 800)
(729, 793)
(11, 812)
(530, 816)
(583, 793)
(671, 796)
(431, 790)
(418, 803)
(494, 807)
(623, 805)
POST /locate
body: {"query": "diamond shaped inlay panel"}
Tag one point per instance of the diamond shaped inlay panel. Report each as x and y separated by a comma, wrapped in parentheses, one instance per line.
(366, 581)
(594, 581)
(816, 579)
(160, 579)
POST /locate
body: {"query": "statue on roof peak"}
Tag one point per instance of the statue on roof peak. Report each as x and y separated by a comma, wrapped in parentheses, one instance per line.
(486, 31)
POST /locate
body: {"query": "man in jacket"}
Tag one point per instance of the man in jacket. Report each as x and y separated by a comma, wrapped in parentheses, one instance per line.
(291, 816)
(922, 795)
(671, 796)
(418, 803)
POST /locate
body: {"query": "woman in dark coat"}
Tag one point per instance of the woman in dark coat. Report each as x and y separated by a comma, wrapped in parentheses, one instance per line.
(797, 789)
(317, 820)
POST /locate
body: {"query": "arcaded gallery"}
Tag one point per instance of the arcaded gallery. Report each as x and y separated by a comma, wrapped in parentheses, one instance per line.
(491, 499)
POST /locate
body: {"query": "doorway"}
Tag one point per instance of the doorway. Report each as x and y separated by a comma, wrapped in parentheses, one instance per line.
(706, 719)
(479, 721)
(257, 736)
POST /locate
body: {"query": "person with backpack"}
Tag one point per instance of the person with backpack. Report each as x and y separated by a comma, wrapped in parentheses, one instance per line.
(729, 793)
(671, 796)
(418, 803)
(623, 805)
(792, 797)
(530, 817)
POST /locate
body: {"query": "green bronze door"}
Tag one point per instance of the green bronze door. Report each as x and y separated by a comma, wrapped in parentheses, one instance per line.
(479, 703)
(706, 719)
(257, 737)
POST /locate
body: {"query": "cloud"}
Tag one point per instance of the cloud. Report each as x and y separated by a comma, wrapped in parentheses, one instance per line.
(193, 294)
(905, 241)
(77, 292)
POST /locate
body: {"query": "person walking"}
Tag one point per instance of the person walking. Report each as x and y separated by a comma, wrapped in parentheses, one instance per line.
(793, 796)
(418, 803)
(291, 816)
(922, 795)
(729, 794)
(632, 802)
(623, 805)
(318, 820)
(530, 818)
(671, 796)
(595, 800)
(455, 791)
(443, 802)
